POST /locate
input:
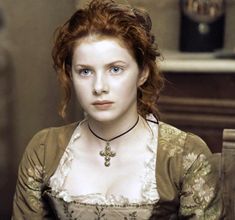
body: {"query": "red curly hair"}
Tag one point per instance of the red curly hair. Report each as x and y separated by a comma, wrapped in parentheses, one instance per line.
(110, 19)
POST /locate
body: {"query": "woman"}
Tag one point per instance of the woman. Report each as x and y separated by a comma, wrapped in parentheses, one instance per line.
(120, 162)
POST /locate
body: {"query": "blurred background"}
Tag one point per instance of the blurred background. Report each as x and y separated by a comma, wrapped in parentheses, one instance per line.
(200, 89)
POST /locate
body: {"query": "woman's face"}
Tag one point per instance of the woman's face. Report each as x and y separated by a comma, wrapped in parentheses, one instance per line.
(105, 77)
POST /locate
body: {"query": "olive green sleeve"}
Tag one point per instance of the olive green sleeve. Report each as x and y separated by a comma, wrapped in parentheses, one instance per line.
(28, 203)
(200, 196)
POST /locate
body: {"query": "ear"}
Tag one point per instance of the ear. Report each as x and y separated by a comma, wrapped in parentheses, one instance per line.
(143, 76)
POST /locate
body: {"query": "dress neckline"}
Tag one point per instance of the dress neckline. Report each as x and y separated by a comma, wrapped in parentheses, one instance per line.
(149, 186)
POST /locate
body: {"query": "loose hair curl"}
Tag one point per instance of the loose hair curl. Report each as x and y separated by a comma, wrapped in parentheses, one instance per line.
(108, 18)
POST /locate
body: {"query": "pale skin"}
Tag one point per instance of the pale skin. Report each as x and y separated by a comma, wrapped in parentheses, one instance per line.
(104, 69)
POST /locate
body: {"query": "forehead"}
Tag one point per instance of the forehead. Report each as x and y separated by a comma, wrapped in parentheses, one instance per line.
(103, 40)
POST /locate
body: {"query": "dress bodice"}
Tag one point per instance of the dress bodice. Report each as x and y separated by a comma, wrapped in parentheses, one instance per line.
(84, 211)
(186, 179)
(96, 204)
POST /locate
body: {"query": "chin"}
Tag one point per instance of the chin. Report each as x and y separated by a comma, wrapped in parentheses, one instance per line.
(104, 116)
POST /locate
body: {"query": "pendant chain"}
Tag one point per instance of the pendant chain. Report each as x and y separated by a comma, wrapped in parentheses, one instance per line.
(107, 153)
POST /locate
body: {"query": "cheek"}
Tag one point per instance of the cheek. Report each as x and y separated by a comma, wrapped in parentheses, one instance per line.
(128, 89)
(81, 92)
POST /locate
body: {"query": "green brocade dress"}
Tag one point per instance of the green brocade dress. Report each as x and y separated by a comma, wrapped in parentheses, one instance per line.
(185, 186)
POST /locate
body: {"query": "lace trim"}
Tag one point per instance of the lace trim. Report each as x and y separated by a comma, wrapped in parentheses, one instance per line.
(62, 171)
(149, 187)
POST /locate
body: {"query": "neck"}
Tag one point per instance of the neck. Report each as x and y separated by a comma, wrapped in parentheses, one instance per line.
(110, 129)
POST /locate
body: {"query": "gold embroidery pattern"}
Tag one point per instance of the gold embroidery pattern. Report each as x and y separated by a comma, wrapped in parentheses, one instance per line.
(132, 216)
(99, 213)
(34, 186)
(76, 211)
(172, 140)
(96, 212)
(196, 193)
(188, 160)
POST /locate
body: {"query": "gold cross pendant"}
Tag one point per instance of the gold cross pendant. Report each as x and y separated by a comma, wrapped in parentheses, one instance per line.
(107, 154)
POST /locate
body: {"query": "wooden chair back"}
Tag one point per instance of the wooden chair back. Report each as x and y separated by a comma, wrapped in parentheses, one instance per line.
(228, 172)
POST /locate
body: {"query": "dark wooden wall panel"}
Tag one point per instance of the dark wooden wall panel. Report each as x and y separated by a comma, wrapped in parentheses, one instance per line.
(7, 146)
(202, 103)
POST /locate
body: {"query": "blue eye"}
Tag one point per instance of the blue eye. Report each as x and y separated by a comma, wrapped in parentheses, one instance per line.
(116, 69)
(85, 72)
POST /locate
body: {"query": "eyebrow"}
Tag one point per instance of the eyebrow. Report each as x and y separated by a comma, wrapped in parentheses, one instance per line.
(106, 65)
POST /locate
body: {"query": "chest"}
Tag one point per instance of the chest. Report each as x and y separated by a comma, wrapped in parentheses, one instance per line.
(125, 176)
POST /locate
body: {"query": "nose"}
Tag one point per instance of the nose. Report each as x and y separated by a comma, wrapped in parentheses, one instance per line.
(100, 85)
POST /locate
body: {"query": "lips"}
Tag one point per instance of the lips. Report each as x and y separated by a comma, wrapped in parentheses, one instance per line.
(105, 104)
